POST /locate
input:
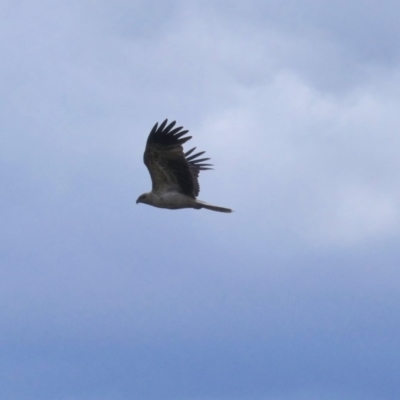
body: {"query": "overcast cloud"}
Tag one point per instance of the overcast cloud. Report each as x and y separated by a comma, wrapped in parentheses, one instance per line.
(295, 296)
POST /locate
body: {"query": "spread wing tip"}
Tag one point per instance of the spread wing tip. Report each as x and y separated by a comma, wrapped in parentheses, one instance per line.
(163, 134)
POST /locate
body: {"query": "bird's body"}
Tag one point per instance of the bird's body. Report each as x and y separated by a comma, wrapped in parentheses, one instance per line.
(174, 174)
(171, 200)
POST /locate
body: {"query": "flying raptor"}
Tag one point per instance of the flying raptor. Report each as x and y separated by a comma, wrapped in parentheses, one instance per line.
(174, 174)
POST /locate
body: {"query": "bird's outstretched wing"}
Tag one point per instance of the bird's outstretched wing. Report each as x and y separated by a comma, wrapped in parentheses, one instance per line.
(170, 168)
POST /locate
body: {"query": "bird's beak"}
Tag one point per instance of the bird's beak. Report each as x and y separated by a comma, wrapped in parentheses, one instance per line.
(137, 201)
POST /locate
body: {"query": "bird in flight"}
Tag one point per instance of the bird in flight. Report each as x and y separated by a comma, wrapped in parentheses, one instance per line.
(174, 174)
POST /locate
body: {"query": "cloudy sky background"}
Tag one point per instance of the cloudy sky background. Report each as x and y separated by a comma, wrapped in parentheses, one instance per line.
(295, 296)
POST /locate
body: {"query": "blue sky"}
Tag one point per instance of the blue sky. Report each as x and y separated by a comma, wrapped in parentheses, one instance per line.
(295, 296)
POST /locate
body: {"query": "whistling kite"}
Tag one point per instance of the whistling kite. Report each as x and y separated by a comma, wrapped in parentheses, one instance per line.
(174, 174)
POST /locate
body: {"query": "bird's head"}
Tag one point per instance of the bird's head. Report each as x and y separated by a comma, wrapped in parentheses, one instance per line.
(143, 198)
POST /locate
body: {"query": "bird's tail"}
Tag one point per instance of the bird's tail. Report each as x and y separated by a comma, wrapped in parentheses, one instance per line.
(202, 204)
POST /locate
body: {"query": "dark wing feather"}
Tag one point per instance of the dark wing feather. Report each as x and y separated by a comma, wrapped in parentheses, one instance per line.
(196, 165)
(170, 168)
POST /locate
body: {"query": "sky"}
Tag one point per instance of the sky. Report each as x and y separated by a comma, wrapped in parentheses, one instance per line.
(295, 295)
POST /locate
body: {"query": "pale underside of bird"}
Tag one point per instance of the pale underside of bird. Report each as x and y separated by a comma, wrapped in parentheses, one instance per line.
(174, 174)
